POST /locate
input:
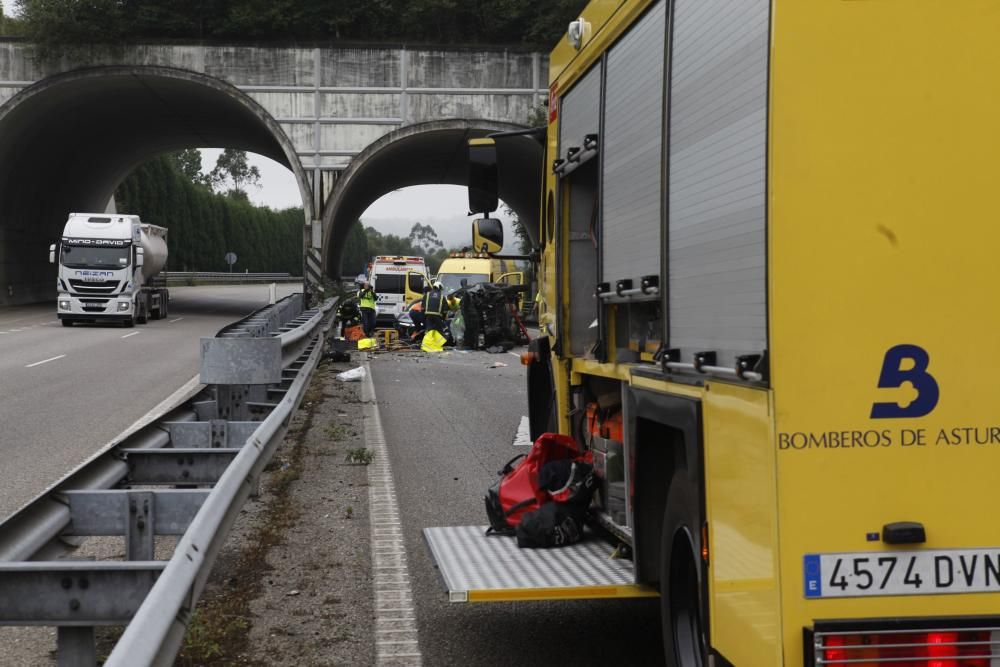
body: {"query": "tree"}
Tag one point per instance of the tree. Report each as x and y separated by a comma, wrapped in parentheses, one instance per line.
(188, 163)
(434, 260)
(538, 116)
(540, 23)
(354, 257)
(549, 20)
(523, 240)
(389, 244)
(425, 239)
(171, 18)
(52, 23)
(232, 166)
(433, 250)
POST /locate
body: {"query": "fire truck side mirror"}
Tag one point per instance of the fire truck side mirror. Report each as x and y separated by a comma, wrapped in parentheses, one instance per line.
(487, 235)
(482, 181)
(52, 254)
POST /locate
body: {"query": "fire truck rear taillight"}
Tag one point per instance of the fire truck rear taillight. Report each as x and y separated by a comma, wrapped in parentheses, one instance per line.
(940, 648)
(834, 653)
(941, 645)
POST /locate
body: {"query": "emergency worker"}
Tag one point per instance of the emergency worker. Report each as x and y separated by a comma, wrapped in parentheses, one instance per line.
(435, 306)
(366, 302)
(417, 316)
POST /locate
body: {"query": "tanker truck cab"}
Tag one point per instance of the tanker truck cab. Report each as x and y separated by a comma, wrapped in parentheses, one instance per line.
(105, 267)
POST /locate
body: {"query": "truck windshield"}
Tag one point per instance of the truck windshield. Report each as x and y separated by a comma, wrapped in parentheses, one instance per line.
(81, 257)
(453, 281)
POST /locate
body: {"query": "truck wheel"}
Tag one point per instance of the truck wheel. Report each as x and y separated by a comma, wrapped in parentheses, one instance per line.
(67, 323)
(681, 606)
(140, 312)
(164, 306)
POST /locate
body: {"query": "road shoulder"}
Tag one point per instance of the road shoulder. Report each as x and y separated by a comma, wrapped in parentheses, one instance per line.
(293, 585)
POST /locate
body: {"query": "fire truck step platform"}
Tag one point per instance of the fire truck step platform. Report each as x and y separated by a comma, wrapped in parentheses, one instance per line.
(477, 568)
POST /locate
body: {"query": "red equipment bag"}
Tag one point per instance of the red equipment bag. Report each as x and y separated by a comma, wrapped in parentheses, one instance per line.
(518, 491)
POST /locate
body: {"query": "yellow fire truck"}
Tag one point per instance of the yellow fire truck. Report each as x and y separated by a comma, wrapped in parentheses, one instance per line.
(768, 232)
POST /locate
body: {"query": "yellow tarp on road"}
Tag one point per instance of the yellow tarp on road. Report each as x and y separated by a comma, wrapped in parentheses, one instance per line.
(433, 342)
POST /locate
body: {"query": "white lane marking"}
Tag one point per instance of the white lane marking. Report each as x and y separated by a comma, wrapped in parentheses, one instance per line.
(44, 361)
(134, 333)
(514, 354)
(523, 437)
(13, 330)
(393, 596)
(177, 320)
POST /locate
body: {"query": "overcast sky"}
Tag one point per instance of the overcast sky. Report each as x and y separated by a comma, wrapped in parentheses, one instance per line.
(443, 207)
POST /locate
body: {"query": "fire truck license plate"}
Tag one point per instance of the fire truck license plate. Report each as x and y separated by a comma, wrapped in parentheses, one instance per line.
(902, 573)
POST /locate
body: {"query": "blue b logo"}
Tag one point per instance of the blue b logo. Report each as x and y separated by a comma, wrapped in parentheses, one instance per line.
(894, 376)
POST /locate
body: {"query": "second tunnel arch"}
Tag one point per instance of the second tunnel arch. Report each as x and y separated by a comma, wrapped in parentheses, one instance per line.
(430, 153)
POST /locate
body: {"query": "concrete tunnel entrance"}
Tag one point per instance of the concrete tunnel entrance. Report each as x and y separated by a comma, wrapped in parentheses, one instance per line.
(67, 142)
(430, 153)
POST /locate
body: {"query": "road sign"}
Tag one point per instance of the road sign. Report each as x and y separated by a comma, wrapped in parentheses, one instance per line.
(230, 260)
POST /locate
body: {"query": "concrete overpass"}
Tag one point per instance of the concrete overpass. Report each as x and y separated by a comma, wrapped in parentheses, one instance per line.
(73, 126)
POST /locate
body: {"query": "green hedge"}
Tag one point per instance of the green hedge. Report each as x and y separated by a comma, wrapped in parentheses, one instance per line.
(204, 226)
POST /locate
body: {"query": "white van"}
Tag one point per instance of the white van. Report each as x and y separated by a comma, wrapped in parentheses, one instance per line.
(397, 281)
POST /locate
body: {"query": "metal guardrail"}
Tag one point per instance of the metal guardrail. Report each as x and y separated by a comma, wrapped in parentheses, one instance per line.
(224, 277)
(221, 438)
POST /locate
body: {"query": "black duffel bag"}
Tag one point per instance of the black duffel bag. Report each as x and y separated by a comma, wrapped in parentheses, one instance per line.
(559, 522)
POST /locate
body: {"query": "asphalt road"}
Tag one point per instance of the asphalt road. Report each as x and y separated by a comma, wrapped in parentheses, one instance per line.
(66, 392)
(449, 422)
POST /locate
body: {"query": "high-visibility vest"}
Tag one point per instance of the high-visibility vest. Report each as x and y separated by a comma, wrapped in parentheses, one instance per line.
(366, 298)
(434, 303)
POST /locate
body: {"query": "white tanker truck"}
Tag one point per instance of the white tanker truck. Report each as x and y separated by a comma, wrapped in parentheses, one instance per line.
(106, 267)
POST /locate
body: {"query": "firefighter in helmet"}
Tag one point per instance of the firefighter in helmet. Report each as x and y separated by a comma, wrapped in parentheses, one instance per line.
(435, 307)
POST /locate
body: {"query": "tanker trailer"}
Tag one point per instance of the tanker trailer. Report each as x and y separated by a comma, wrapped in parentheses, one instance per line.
(107, 266)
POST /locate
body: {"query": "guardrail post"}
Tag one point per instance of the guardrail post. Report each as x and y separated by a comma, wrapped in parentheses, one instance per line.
(76, 647)
(139, 529)
(232, 401)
